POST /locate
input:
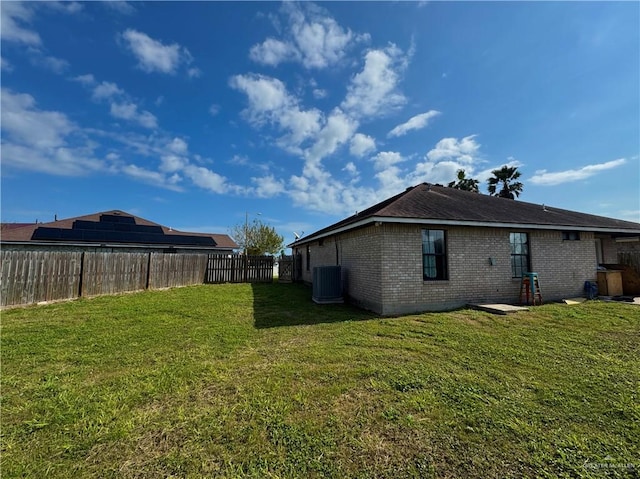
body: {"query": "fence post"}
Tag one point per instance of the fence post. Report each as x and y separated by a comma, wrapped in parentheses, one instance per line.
(246, 266)
(146, 286)
(81, 275)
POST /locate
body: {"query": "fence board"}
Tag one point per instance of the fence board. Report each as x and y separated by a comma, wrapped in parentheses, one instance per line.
(29, 277)
(238, 268)
(225, 268)
(169, 270)
(110, 273)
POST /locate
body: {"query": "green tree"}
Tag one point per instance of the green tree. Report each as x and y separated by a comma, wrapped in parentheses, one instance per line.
(257, 238)
(505, 176)
(464, 183)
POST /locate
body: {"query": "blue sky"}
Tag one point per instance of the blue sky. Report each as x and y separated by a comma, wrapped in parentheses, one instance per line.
(195, 114)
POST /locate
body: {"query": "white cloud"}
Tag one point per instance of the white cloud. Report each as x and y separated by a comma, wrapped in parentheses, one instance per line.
(214, 109)
(272, 52)
(390, 180)
(449, 155)
(239, 160)
(59, 161)
(267, 186)
(104, 90)
(56, 65)
(16, 16)
(153, 177)
(154, 56)
(129, 111)
(319, 93)
(207, 179)
(5, 65)
(312, 37)
(545, 178)
(270, 103)
(441, 172)
(13, 17)
(172, 163)
(120, 6)
(40, 140)
(48, 142)
(414, 123)
(386, 159)
(178, 146)
(338, 129)
(373, 91)
(327, 196)
(319, 38)
(350, 168)
(120, 104)
(86, 80)
(194, 72)
(301, 125)
(25, 123)
(362, 145)
(462, 151)
(65, 6)
(265, 94)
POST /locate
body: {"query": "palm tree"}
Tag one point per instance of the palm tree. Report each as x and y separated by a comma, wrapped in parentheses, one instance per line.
(463, 183)
(505, 176)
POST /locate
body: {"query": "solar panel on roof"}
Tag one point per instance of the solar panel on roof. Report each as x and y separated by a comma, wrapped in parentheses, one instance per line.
(117, 219)
(101, 232)
(85, 225)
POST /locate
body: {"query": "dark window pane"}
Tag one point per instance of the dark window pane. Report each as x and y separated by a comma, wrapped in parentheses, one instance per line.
(519, 243)
(434, 259)
(439, 246)
(430, 267)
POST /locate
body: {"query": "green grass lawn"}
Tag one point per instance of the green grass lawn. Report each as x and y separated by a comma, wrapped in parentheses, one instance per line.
(257, 381)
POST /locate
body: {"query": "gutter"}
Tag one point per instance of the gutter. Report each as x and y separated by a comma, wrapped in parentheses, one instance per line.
(485, 224)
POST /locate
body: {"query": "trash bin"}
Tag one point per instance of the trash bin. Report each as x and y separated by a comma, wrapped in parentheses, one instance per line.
(590, 289)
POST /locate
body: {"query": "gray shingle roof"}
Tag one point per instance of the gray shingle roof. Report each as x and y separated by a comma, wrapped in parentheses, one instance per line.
(433, 203)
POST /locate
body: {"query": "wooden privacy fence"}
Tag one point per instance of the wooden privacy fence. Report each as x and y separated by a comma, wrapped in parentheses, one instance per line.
(29, 277)
(238, 268)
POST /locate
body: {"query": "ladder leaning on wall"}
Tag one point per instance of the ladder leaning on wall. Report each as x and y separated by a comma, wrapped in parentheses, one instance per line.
(530, 289)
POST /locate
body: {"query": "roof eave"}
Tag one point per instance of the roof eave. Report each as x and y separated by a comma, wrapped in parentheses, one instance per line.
(116, 245)
(485, 224)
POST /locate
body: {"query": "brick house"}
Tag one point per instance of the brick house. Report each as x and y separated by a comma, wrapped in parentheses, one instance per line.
(435, 248)
(109, 231)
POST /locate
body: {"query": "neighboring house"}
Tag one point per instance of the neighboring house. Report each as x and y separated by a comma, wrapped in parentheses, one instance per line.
(110, 231)
(435, 248)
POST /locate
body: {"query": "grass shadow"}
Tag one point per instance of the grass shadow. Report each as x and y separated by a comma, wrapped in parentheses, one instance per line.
(290, 304)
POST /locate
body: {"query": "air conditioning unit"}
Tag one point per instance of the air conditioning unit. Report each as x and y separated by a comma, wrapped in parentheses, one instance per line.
(327, 284)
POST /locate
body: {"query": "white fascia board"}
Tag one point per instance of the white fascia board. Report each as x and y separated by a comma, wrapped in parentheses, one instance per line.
(484, 224)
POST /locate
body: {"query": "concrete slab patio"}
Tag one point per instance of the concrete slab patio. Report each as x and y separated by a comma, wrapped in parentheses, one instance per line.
(498, 308)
